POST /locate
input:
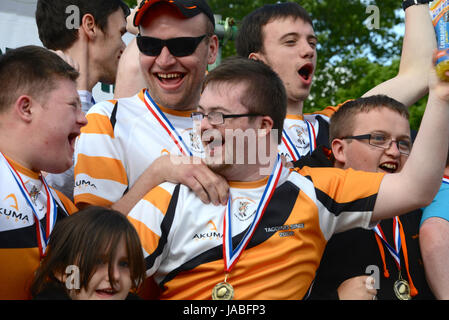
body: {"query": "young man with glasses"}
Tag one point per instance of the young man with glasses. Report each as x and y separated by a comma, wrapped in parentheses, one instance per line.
(127, 146)
(267, 242)
(373, 134)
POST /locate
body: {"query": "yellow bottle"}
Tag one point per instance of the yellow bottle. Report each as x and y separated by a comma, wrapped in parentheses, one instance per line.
(440, 17)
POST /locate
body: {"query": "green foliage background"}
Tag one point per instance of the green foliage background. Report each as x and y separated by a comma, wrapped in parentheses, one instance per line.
(351, 58)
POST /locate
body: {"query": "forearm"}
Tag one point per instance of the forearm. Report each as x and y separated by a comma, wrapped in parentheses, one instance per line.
(411, 82)
(149, 179)
(434, 237)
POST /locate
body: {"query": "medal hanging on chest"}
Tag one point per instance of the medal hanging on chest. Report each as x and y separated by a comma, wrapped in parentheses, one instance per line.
(224, 290)
(401, 286)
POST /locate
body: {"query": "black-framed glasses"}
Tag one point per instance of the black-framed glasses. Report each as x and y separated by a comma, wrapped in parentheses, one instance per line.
(217, 118)
(384, 141)
(178, 47)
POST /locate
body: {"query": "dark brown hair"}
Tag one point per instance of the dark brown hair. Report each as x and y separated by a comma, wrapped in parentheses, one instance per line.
(250, 36)
(342, 122)
(85, 238)
(52, 15)
(265, 92)
(32, 71)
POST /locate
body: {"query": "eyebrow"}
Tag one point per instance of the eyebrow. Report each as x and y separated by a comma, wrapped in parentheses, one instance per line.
(215, 108)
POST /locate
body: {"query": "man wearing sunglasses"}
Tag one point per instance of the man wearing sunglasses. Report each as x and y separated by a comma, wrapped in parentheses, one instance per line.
(372, 134)
(282, 35)
(126, 148)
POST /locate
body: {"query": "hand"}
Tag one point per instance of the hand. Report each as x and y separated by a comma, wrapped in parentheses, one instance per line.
(357, 288)
(285, 163)
(439, 87)
(192, 172)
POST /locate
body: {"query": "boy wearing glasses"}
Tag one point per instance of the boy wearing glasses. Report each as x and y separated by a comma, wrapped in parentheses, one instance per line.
(373, 134)
(267, 242)
(125, 149)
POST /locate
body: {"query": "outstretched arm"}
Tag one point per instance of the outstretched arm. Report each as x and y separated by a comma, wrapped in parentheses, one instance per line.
(411, 82)
(418, 182)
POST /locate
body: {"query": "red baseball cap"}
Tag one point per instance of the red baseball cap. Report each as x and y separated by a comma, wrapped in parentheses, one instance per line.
(188, 8)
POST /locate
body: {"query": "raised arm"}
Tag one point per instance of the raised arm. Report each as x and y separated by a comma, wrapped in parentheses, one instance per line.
(418, 182)
(411, 82)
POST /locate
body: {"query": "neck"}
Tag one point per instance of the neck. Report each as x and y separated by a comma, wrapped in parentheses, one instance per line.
(79, 52)
(295, 107)
(446, 171)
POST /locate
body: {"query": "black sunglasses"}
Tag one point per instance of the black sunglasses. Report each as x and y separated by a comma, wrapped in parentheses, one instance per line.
(178, 47)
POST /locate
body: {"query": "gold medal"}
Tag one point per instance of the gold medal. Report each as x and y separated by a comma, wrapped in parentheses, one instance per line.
(402, 289)
(223, 291)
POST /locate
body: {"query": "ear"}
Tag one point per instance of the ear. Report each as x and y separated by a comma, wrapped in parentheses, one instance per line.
(339, 151)
(266, 126)
(24, 107)
(213, 49)
(88, 26)
(257, 56)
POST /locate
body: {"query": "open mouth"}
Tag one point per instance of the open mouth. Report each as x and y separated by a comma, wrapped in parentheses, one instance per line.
(389, 167)
(170, 78)
(72, 138)
(305, 72)
(106, 292)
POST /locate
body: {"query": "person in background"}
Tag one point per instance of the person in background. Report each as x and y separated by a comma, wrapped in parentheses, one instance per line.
(433, 238)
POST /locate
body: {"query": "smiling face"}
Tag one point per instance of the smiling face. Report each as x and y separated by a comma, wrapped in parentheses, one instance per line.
(360, 155)
(175, 82)
(99, 286)
(56, 124)
(289, 48)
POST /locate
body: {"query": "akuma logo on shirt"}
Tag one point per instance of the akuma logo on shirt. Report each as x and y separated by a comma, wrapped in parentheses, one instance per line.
(84, 184)
(12, 210)
(211, 234)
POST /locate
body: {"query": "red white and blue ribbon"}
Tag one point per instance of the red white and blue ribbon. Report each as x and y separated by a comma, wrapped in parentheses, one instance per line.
(293, 151)
(43, 235)
(396, 251)
(230, 254)
(446, 179)
(166, 124)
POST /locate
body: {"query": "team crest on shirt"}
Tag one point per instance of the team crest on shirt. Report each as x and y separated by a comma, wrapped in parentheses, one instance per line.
(243, 208)
(301, 140)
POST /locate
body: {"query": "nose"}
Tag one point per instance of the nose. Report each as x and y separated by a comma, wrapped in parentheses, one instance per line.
(81, 119)
(307, 51)
(165, 58)
(393, 149)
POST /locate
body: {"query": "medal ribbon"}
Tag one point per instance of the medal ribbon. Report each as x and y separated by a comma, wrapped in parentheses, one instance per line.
(446, 179)
(294, 153)
(43, 235)
(399, 237)
(166, 124)
(231, 255)
(396, 251)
